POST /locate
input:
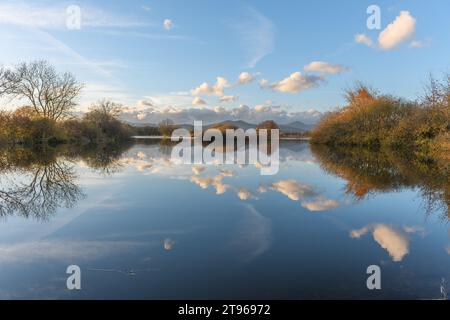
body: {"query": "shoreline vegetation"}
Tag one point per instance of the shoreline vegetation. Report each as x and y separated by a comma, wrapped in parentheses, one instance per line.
(376, 121)
(379, 143)
(47, 100)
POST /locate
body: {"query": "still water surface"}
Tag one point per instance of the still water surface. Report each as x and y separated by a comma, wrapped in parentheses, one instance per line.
(140, 226)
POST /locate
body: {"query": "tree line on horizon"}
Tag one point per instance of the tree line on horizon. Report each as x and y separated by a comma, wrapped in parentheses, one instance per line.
(48, 99)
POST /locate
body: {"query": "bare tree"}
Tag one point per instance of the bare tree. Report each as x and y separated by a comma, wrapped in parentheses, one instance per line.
(49, 93)
(106, 109)
(7, 81)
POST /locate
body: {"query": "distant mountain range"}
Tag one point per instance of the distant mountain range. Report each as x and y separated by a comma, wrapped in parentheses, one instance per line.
(152, 116)
(293, 127)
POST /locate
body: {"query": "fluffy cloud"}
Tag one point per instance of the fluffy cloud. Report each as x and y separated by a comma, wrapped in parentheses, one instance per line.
(215, 182)
(400, 30)
(144, 103)
(397, 32)
(358, 233)
(216, 89)
(394, 241)
(292, 189)
(228, 98)
(245, 77)
(320, 204)
(324, 68)
(244, 194)
(168, 244)
(198, 101)
(296, 83)
(363, 39)
(307, 195)
(197, 169)
(168, 24)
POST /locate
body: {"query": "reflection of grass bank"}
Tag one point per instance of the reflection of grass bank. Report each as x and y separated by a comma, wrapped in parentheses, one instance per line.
(367, 171)
(374, 120)
(96, 157)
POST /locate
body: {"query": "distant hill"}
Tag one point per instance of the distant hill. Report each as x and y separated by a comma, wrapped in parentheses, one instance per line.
(243, 118)
(293, 127)
(236, 123)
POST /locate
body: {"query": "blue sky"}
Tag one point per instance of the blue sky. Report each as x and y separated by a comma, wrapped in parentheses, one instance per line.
(154, 54)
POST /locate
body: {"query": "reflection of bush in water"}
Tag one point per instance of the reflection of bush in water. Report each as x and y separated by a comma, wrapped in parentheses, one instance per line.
(105, 159)
(368, 172)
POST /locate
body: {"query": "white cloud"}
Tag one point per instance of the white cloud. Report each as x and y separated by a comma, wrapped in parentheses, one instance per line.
(362, 38)
(394, 241)
(324, 68)
(244, 194)
(198, 101)
(296, 83)
(145, 104)
(309, 198)
(168, 244)
(292, 189)
(397, 32)
(215, 182)
(262, 189)
(198, 169)
(245, 78)
(358, 233)
(228, 98)
(168, 24)
(216, 89)
(320, 204)
(400, 30)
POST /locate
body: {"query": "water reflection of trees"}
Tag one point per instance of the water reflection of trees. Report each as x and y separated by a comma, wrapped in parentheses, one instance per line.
(35, 182)
(368, 172)
(103, 159)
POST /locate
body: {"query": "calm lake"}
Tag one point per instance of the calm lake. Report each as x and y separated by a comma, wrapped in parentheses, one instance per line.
(140, 226)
